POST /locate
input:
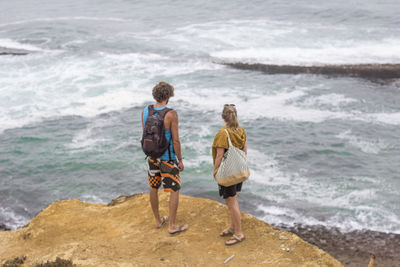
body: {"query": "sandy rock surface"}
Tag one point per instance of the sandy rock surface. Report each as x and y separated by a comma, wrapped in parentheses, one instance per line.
(123, 233)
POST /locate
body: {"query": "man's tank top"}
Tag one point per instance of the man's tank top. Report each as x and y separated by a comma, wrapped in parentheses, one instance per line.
(167, 133)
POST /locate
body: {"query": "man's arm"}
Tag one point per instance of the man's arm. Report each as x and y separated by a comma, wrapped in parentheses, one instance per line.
(175, 138)
(142, 122)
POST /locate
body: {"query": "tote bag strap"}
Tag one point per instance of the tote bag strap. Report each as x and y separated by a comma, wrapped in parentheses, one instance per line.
(229, 139)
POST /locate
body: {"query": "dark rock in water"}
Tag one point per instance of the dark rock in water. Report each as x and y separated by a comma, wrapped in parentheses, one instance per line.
(3, 227)
(352, 248)
(14, 52)
(367, 71)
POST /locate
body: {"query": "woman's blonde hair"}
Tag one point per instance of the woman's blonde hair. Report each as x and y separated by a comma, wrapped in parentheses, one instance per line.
(229, 115)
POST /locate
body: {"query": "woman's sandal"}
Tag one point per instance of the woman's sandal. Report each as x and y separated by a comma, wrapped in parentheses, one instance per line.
(234, 240)
(226, 232)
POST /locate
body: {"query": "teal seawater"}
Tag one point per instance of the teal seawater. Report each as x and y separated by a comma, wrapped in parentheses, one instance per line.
(322, 150)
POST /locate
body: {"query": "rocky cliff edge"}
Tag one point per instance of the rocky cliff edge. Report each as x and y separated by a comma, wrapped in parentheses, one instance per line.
(122, 233)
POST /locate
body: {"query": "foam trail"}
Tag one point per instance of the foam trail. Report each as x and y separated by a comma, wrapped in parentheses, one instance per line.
(268, 42)
(283, 189)
(13, 220)
(271, 106)
(382, 52)
(365, 145)
(334, 100)
(20, 22)
(8, 43)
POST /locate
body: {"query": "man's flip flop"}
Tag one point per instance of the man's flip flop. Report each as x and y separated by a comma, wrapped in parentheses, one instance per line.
(163, 221)
(234, 240)
(180, 230)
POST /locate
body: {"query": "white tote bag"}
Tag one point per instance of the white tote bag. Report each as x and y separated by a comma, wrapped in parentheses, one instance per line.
(233, 168)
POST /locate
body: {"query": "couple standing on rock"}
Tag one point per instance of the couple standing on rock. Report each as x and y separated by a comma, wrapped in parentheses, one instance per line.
(161, 143)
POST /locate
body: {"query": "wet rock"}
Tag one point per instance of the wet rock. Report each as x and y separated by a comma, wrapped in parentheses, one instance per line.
(368, 71)
(4, 227)
(14, 52)
(352, 248)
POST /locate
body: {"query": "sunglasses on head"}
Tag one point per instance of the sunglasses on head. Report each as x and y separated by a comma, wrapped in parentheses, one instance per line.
(229, 105)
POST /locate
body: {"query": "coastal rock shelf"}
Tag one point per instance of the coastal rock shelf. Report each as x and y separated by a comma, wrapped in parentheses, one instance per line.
(123, 233)
(367, 71)
(13, 52)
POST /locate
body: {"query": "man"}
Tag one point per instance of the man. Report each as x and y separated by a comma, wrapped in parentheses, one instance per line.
(166, 168)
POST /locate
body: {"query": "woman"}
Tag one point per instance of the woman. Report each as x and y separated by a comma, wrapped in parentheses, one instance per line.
(238, 138)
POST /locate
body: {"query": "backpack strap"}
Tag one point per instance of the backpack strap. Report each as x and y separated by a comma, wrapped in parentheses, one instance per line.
(151, 110)
(229, 139)
(162, 112)
(169, 152)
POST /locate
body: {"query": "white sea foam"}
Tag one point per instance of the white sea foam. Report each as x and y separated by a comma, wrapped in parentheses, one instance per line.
(89, 86)
(107, 102)
(8, 43)
(84, 86)
(194, 138)
(286, 104)
(84, 140)
(364, 219)
(278, 43)
(388, 118)
(53, 19)
(93, 199)
(277, 105)
(197, 161)
(334, 100)
(383, 51)
(365, 144)
(134, 58)
(280, 215)
(269, 42)
(13, 220)
(72, 87)
(285, 189)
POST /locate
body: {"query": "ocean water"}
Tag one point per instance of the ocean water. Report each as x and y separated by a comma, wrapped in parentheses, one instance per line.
(322, 150)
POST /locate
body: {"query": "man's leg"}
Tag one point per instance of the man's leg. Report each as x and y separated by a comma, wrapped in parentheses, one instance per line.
(154, 205)
(173, 209)
(155, 183)
(171, 183)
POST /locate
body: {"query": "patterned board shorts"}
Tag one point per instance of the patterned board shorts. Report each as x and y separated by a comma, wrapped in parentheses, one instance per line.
(165, 172)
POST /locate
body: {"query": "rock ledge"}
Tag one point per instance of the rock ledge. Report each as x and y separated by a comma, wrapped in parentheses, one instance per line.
(123, 234)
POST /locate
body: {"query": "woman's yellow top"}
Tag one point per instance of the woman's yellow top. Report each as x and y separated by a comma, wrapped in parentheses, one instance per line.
(238, 139)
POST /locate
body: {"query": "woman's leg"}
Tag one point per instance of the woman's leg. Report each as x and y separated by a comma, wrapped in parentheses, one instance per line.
(234, 211)
(230, 230)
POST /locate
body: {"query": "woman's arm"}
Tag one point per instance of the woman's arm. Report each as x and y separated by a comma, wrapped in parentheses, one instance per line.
(218, 158)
